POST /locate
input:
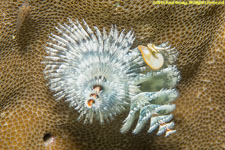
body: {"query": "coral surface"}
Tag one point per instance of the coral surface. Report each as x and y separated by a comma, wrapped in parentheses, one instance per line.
(30, 118)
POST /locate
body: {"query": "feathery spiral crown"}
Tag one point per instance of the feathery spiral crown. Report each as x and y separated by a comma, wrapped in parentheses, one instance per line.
(92, 71)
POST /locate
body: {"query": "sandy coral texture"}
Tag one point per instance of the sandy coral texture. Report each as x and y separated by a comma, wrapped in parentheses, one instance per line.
(30, 118)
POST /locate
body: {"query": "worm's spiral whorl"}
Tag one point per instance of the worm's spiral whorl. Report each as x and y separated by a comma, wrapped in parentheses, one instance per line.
(93, 71)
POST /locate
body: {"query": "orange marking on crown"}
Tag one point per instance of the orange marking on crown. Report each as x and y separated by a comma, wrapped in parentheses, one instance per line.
(97, 88)
(90, 102)
(94, 95)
